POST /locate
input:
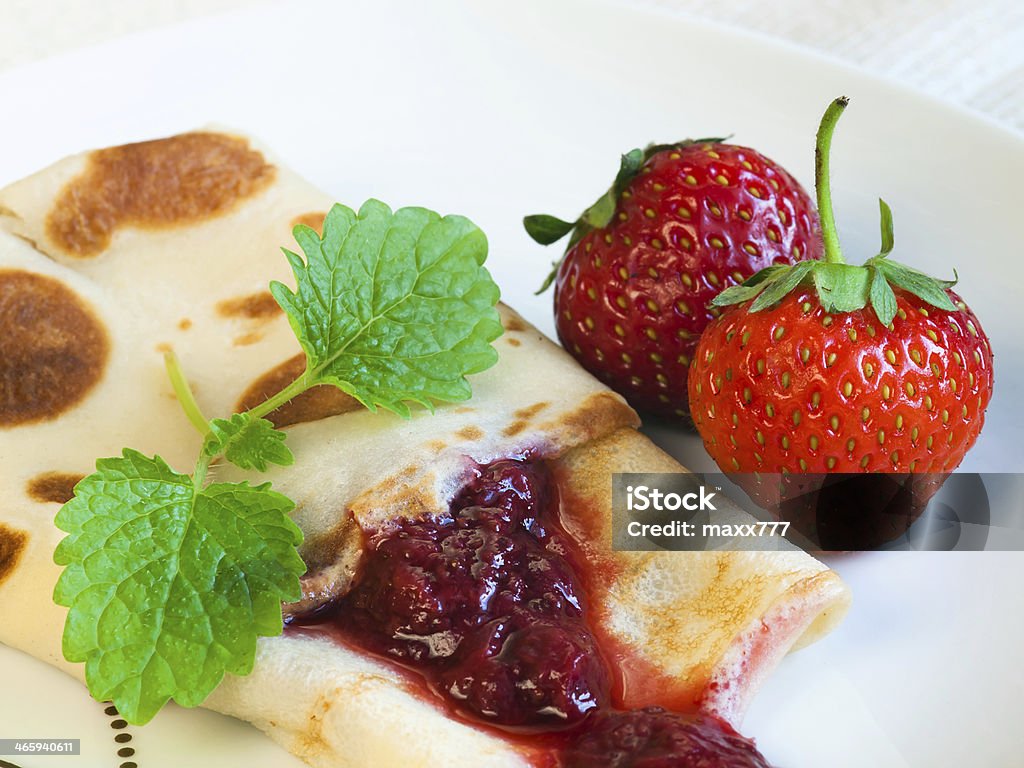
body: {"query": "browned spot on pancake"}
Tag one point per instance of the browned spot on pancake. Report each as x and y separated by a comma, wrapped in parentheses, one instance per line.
(158, 184)
(514, 323)
(53, 349)
(361, 689)
(599, 414)
(332, 561)
(515, 428)
(57, 487)
(313, 404)
(256, 306)
(470, 433)
(247, 338)
(311, 740)
(184, 324)
(437, 445)
(582, 474)
(523, 416)
(513, 342)
(530, 411)
(314, 220)
(12, 544)
(343, 543)
(404, 494)
(464, 409)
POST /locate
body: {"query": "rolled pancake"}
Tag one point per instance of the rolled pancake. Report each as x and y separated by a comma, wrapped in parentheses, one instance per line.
(111, 257)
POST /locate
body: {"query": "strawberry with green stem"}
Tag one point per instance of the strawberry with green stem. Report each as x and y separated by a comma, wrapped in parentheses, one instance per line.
(680, 223)
(826, 367)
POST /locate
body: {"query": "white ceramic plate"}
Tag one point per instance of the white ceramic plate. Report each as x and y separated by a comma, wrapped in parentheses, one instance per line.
(497, 111)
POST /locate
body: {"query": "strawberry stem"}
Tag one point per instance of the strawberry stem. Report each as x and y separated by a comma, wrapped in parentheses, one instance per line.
(841, 287)
(822, 147)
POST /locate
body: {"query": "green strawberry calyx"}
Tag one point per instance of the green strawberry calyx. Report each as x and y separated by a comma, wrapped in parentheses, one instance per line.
(546, 229)
(841, 287)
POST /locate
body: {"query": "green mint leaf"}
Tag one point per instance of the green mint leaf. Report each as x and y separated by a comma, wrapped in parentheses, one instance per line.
(781, 284)
(921, 285)
(248, 442)
(393, 307)
(169, 586)
(546, 229)
(169, 583)
(883, 300)
(888, 240)
(841, 287)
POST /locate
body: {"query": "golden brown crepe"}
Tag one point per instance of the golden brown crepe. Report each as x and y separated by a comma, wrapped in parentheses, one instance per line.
(111, 257)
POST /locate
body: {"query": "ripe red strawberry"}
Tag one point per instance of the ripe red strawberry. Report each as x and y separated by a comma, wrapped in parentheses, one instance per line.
(680, 224)
(824, 368)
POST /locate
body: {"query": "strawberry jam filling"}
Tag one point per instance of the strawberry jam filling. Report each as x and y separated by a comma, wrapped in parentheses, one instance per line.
(486, 604)
(655, 738)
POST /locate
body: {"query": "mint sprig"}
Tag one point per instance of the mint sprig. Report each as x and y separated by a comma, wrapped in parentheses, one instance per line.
(248, 442)
(392, 307)
(169, 583)
(169, 580)
(841, 287)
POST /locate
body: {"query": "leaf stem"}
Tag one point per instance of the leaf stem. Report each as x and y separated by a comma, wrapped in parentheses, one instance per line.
(199, 473)
(184, 393)
(274, 402)
(822, 147)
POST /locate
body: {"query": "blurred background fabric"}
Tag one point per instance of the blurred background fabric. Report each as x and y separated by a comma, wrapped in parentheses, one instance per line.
(969, 52)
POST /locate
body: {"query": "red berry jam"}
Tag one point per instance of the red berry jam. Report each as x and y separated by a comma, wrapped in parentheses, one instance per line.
(486, 603)
(655, 738)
